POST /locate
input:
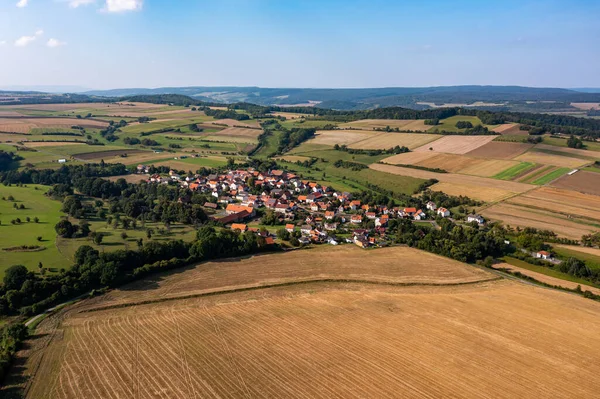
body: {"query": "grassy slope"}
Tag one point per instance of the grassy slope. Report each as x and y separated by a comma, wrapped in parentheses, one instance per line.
(563, 143)
(547, 271)
(592, 261)
(555, 174)
(449, 124)
(36, 204)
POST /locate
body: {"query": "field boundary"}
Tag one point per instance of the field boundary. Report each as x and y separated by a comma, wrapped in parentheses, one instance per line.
(286, 284)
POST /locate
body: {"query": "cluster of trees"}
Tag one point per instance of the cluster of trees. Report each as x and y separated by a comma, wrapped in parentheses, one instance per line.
(432, 122)
(12, 336)
(224, 114)
(294, 137)
(355, 166)
(464, 125)
(7, 159)
(575, 142)
(63, 175)
(26, 293)
(463, 243)
(393, 150)
(146, 142)
(109, 132)
(472, 131)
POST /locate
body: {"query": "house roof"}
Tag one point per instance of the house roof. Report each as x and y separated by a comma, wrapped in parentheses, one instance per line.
(239, 226)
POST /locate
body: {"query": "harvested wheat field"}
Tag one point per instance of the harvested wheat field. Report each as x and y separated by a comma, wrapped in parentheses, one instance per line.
(500, 150)
(288, 115)
(551, 159)
(325, 340)
(521, 216)
(476, 187)
(547, 279)
(402, 124)
(486, 194)
(236, 132)
(293, 158)
(341, 137)
(457, 144)
(389, 140)
(399, 265)
(450, 162)
(235, 123)
(409, 158)
(24, 125)
(566, 202)
(585, 182)
(586, 106)
(513, 129)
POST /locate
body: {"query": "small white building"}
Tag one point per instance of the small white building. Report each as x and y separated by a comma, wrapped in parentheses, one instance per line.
(443, 212)
(431, 206)
(544, 255)
(62, 160)
(475, 218)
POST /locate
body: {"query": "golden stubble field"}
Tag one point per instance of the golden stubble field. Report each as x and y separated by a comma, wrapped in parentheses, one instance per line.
(496, 338)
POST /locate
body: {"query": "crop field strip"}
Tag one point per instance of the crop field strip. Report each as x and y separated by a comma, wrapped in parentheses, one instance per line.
(457, 144)
(551, 159)
(341, 137)
(402, 124)
(351, 341)
(389, 140)
(500, 150)
(512, 172)
(566, 202)
(476, 187)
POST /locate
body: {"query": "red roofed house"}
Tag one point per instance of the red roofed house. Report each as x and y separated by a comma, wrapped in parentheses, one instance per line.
(239, 226)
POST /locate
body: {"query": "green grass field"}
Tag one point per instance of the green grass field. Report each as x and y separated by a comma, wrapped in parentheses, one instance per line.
(514, 171)
(538, 173)
(547, 271)
(271, 145)
(332, 155)
(592, 261)
(449, 124)
(135, 129)
(551, 176)
(36, 205)
(560, 142)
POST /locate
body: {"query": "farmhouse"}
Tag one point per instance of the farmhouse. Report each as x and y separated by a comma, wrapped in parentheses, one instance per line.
(431, 206)
(239, 226)
(443, 212)
(544, 255)
(475, 218)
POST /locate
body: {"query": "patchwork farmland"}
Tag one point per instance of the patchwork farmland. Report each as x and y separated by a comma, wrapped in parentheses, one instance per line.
(97, 350)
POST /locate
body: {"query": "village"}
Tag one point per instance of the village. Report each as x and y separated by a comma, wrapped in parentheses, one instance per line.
(310, 213)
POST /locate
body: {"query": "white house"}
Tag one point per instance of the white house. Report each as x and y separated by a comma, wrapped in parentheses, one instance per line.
(431, 206)
(419, 215)
(544, 255)
(475, 218)
(443, 212)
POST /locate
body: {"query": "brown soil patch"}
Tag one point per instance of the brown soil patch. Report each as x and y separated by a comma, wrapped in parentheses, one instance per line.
(457, 144)
(513, 129)
(586, 106)
(583, 181)
(500, 150)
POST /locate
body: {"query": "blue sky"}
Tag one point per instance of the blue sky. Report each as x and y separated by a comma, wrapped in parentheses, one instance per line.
(292, 43)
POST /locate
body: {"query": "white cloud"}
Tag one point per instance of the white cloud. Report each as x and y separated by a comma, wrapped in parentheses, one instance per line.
(2, 43)
(77, 3)
(123, 5)
(55, 43)
(22, 3)
(25, 40)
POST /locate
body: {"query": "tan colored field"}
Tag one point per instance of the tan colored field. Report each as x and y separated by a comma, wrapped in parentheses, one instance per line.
(504, 127)
(35, 144)
(486, 194)
(59, 107)
(585, 182)
(24, 125)
(132, 178)
(567, 202)
(389, 140)
(457, 144)
(402, 124)
(341, 137)
(547, 279)
(550, 159)
(248, 134)
(4, 137)
(500, 150)
(324, 340)
(586, 106)
(233, 122)
(409, 158)
(288, 115)
(515, 215)
(480, 188)
(450, 162)
(488, 168)
(513, 129)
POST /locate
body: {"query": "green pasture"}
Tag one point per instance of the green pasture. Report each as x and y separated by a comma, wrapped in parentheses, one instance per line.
(514, 171)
